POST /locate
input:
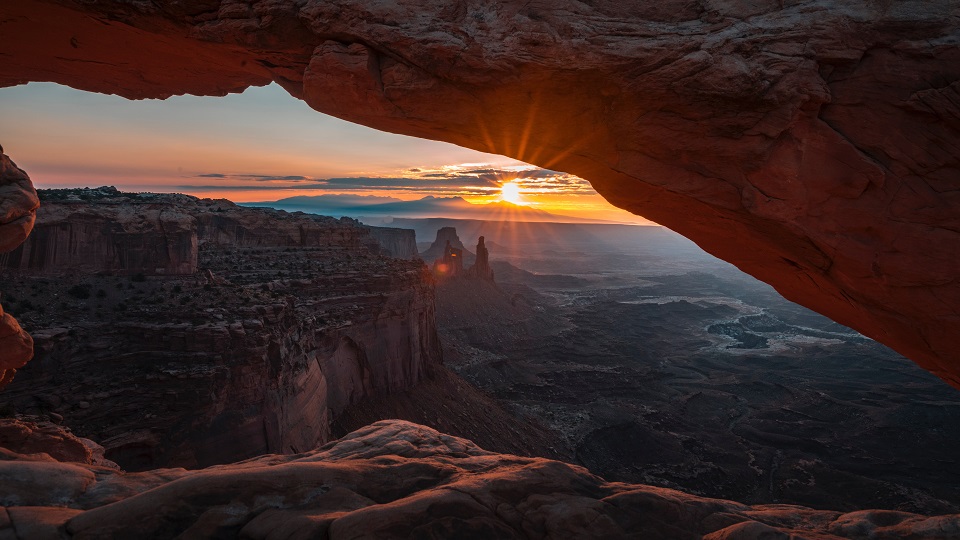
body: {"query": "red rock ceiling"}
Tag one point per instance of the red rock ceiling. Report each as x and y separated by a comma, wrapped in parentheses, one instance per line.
(816, 145)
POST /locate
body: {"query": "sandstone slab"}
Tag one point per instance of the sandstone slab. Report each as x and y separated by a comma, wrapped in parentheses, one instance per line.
(394, 479)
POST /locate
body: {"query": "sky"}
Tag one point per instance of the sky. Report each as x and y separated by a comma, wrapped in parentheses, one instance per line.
(261, 145)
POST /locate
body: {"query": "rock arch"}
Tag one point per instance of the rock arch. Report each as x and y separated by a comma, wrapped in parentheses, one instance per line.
(813, 143)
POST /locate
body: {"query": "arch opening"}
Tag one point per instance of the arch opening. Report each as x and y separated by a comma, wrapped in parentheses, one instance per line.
(774, 156)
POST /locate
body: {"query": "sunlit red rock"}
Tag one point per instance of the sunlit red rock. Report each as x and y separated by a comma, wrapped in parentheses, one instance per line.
(18, 204)
(16, 347)
(29, 437)
(18, 208)
(813, 145)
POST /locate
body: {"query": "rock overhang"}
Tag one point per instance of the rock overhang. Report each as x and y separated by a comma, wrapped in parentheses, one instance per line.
(812, 144)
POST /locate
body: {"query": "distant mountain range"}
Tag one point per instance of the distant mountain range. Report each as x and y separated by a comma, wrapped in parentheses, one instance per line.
(375, 208)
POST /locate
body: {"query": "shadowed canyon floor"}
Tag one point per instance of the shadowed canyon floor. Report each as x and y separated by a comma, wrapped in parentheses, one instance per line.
(703, 380)
(286, 330)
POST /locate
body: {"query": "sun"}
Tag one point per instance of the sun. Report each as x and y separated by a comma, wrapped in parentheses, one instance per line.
(510, 192)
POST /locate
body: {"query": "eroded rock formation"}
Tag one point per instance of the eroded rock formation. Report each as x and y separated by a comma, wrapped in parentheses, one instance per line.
(399, 243)
(811, 143)
(450, 265)
(104, 230)
(447, 237)
(71, 235)
(18, 204)
(294, 319)
(41, 437)
(481, 268)
(395, 479)
(452, 259)
(18, 208)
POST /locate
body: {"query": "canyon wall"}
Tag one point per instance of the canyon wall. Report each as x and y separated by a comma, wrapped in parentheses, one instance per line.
(159, 234)
(292, 319)
(75, 236)
(400, 243)
(811, 143)
(437, 249)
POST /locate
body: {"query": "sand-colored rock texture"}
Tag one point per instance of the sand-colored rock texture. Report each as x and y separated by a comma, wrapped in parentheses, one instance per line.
(395, 479)
(811, 143)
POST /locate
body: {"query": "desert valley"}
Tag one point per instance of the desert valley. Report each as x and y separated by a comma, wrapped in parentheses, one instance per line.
(171, 331)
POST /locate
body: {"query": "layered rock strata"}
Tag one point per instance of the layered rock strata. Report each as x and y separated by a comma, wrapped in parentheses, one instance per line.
(399, 243)
(811, 143)
(291, 320)
(447, 238)
(104, 230)
(395, 479)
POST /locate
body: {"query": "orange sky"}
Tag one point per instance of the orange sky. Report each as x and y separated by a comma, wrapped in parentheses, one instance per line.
(261, 145)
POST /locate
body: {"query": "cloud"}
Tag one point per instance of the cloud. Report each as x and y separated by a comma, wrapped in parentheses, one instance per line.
(419, 182)
(258, 177)
(476, 180)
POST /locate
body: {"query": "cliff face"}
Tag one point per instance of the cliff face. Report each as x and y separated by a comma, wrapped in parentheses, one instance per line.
(812, 143)
(447, 235)
(157, 240)
(481, 268)
(159, 234)
(292, 320)
(400, 243)
(395, 479)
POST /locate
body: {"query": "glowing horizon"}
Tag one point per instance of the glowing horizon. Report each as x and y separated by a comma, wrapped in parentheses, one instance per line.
(262, 145)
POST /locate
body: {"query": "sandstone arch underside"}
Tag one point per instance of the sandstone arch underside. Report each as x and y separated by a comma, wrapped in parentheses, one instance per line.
(814, 144)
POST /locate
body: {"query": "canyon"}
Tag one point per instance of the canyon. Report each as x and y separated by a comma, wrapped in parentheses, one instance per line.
(655, 363)
(188, 332)
(293, 335)
(811, 143)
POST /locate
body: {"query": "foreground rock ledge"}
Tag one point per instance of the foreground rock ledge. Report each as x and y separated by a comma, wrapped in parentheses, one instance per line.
(391, 479)
(811, 143)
